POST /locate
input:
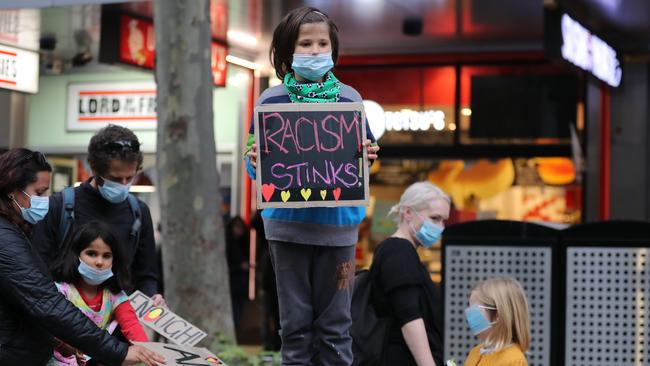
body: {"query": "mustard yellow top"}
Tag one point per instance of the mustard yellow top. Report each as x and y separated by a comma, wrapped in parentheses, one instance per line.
(509, 356)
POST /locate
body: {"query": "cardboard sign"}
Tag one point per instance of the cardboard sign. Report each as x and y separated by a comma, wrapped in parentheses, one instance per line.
(183, 355)
(164, 322)
(311, 155)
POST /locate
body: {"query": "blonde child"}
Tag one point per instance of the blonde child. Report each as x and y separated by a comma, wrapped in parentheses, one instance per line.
(498, 316)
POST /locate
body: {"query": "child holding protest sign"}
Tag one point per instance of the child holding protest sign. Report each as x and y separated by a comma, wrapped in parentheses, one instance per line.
(312, 248)
(91, 273)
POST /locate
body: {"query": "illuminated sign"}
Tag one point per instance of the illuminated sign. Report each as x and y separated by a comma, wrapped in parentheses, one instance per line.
(588, 52)
(381, 121)
(94, 105)
(18, 69)
(137, 47)
(409, 120)
(20, 28)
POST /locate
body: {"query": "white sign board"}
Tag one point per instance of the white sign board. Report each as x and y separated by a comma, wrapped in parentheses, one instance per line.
(589, 52)
(18, 69)
(164, 322)
(92, 106)
(21, 28)
(183, 355)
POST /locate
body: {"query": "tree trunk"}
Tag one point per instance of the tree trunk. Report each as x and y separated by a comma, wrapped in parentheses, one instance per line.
(194, 261)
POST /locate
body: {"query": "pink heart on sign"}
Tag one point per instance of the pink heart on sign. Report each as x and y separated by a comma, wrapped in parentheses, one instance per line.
(337, 193)
(267, 191)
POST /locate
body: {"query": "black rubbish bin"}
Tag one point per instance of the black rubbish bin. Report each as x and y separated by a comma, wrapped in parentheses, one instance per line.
(607, 293)
(478, 250)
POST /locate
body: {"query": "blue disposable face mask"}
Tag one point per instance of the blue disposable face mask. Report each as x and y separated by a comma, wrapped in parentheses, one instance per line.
(38, 207)
(92, 275)
(476, 320)
(114, 192)
(428, 234)
(312, 67)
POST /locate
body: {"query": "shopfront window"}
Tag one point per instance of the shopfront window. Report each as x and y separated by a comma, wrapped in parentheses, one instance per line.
(408, 106)
(535, 189)
(520, 104)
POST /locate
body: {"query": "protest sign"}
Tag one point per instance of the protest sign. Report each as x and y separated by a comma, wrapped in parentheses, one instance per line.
(183, 355)
(164, 322)
(311, 155)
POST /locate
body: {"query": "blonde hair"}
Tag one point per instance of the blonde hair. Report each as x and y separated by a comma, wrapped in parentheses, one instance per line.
(417, 196)
(511, 319)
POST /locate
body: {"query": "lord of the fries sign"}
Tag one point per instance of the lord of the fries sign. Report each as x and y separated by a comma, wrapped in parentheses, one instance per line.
(164, 322)
(311, 155)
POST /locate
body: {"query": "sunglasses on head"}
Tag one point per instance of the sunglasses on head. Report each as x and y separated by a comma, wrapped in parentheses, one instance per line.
(123, 145)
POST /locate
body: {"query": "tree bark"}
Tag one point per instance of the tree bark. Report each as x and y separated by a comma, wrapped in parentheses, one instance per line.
(194, 261)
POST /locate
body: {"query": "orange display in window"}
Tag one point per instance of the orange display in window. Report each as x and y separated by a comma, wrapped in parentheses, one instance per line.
(556, 171)
(481, 180)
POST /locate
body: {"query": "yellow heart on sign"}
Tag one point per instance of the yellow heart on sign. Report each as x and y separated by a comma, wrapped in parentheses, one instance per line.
(285, 195)
(323, 193)
(305, 193)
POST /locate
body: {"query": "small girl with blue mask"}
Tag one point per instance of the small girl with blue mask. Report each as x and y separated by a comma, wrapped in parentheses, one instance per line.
(413, 301)
(91, 273)
(498, 316)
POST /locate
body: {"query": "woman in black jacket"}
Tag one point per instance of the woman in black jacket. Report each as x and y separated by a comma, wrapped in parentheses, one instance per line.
(32, 311)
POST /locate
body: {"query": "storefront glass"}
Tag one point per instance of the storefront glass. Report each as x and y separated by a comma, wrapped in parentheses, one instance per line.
(522, 107)
(413, 105)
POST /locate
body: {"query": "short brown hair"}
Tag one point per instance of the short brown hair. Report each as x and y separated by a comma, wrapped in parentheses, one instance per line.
(113, 143)
(286, 34)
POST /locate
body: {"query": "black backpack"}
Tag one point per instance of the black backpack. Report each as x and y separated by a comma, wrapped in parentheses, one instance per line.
(67, 216)
(370, 320)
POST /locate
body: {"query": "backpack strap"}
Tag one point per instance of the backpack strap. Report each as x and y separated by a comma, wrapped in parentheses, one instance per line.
(67, 214)
(137, 219)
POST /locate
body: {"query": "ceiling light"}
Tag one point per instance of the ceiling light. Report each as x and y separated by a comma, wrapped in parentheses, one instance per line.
(242, 38)
(242, 62)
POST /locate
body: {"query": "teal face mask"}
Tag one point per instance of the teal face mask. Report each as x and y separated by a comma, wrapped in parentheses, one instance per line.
(38, 208)
(312, 67)
(429, 232)
(476, 321)
(114, 192)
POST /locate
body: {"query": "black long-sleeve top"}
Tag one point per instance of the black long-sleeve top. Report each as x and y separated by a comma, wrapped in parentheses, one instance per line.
(411, 295)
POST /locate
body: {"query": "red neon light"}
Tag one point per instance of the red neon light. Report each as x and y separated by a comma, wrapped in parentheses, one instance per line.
(605, 146)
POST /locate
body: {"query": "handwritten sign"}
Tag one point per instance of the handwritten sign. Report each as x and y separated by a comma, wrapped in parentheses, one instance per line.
(164, 322)
(183, 355)
(311, 155)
